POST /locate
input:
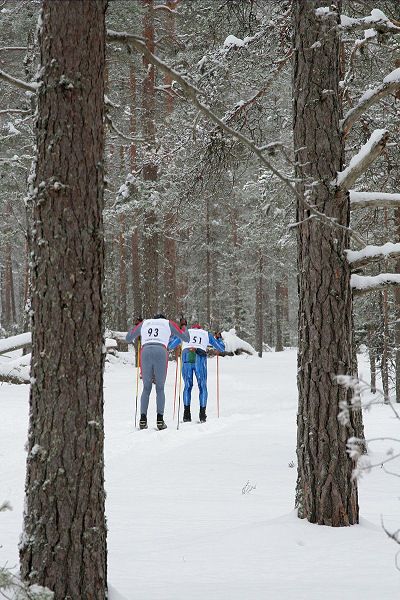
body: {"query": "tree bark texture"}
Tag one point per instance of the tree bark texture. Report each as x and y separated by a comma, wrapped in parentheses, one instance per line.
(150, 230)
(326, 493)
(63, 545)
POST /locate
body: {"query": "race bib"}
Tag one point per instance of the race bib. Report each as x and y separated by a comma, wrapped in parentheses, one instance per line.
(198, 339)
(155, 331)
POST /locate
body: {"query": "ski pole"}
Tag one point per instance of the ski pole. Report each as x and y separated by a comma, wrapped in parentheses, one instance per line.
(176, 377)
(217, 384)
(137, 380)
(180, 384)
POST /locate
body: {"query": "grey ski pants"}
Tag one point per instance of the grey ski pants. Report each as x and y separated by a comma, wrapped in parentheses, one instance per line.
(153, 358)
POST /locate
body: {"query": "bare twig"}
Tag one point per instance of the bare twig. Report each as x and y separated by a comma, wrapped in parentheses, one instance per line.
(23, 85)
(14, 111)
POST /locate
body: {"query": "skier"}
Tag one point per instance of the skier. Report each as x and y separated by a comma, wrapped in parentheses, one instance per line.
(155, 334)
(194, 357)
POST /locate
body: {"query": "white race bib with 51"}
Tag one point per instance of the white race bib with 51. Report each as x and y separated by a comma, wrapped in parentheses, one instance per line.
(198, 339)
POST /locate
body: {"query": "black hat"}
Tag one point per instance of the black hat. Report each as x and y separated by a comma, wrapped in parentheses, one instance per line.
(159, 316)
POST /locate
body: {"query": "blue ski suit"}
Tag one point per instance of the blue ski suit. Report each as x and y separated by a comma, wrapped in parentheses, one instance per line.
(198, 367)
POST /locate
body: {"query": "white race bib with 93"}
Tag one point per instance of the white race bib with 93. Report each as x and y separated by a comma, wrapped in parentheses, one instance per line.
(155, 331)
(198, 339)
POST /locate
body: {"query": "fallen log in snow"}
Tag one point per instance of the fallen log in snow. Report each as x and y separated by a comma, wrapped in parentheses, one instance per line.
(16, 371)
(234, 344)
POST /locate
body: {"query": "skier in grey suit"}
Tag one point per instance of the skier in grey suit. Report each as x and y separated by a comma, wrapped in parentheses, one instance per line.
(155, 334)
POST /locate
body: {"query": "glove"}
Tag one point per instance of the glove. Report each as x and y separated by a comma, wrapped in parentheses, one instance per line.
(218, 336)
(182, 322)
(138, 320)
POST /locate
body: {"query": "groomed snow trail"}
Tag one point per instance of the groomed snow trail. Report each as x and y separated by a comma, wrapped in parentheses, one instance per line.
(207, 511)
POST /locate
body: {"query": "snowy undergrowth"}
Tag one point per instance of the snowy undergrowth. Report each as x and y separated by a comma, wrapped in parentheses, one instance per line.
(207, 511)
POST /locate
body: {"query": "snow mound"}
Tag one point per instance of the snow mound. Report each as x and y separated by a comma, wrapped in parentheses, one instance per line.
(235, 344)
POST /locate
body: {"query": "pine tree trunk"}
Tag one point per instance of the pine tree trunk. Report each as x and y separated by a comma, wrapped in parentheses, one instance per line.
(285, 311)
(170, 298)
(170, 267)
(397, 312)
(235, 276)
(123, 325)
(278, 315)
(7, 287)
(136, 289)
(150, 233)
(64, 541)
(385, 352)
(259, 305)
(326, 493)
(208, 262)
(372, 356)
(137, 298)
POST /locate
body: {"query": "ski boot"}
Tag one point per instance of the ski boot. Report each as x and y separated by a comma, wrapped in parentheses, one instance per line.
(186, 414)
(202, 414)
(160, 422)
(143, 422)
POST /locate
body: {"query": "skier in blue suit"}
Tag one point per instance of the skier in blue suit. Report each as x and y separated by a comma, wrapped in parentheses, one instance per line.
(194, 357)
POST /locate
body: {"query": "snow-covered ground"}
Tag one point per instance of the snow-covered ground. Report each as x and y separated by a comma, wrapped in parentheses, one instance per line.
(206, 512)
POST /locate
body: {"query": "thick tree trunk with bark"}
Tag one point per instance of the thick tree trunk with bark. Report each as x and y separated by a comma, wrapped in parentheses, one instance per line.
(326, 493)
(64, 542)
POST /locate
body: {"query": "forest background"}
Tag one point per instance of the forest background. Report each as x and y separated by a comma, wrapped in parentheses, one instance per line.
(199, 210)
(194, 224)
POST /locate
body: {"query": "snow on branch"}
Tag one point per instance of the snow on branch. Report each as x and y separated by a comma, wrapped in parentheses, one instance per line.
(390, 84)
(373, 200)
(15, 342)
(30, 86)
(192, 92)
(360, 258)
(376, 20)
(362, 284)
(361, 161)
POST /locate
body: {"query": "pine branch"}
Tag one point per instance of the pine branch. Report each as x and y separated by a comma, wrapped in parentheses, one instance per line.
(11, 48)
(361, 161)
(192, 92)
(361, 258)
(115, 129)
(23, 85)
(14, 110)
(368, 99)
(381, 25)
(373, 200)
(361, 284)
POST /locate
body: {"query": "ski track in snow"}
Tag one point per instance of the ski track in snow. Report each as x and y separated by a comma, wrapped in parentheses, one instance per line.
(207, 511)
